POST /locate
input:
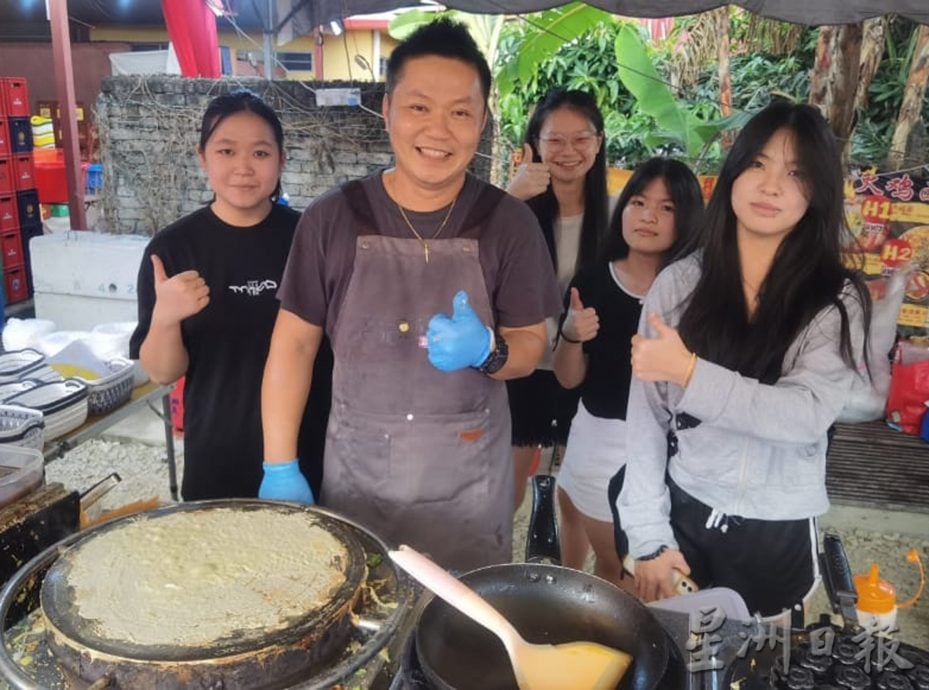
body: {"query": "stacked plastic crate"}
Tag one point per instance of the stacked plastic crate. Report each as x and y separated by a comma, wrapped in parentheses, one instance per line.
(20, 219)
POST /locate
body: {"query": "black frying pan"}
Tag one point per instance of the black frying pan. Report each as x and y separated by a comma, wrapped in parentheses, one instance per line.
(546, 604)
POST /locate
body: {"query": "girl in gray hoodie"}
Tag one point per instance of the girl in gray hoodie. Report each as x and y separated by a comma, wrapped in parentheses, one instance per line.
(745, 354)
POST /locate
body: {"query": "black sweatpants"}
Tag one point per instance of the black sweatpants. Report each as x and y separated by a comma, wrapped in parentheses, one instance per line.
(771, 563)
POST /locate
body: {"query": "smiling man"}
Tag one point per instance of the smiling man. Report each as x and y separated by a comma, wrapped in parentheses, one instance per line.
(433, 287)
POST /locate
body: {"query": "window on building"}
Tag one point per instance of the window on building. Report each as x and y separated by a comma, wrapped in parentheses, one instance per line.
(302, 62)
(137, 47)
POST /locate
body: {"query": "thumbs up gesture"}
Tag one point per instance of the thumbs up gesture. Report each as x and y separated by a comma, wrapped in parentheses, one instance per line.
(459, 341)
(581, 323)
(179, 296)
(531, 178)
(662, 358)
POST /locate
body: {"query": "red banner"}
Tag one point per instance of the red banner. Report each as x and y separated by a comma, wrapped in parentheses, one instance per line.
(192, 29)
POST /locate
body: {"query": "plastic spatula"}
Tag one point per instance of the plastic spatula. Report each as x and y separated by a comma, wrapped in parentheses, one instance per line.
(576, 665)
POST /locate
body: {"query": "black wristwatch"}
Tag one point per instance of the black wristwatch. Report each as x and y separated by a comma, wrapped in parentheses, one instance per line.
(497, 357)
(654, 554)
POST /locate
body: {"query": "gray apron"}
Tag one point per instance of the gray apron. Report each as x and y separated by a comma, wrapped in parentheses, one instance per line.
(417, 455)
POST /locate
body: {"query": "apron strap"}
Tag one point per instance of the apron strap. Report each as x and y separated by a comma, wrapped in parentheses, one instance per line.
(361, 207)
(486, 203)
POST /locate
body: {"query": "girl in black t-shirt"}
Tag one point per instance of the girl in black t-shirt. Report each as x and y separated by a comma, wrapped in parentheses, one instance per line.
(207, 304)
(659, 204)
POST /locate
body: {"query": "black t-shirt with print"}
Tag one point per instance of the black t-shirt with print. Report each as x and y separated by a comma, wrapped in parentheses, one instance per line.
(605, 389)
(227, 343)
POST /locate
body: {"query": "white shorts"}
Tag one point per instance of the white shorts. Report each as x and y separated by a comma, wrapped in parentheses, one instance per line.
(596, 451)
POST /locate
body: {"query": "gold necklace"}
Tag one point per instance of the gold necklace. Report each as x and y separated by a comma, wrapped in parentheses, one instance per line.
(421, 239)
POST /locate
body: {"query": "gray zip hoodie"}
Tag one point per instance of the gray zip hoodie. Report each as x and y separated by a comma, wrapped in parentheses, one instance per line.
(759, 450)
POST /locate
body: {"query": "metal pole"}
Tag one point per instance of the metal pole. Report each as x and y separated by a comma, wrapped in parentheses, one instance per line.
(169, 445)
(64, 89)
(268, 45)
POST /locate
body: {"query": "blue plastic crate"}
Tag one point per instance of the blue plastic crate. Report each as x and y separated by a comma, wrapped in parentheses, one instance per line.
(93, 179)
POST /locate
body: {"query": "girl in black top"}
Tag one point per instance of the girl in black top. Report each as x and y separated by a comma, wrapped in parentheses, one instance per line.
(659, 204)
(207, 304)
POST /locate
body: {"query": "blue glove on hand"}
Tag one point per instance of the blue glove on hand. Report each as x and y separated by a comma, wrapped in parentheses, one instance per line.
(460, 341)
(283, 481)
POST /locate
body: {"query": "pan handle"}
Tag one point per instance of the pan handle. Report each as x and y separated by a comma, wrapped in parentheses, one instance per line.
(542, 540)
(837, 578)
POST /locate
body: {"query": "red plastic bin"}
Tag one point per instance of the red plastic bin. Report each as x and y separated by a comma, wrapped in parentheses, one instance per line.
(23, 172)
(15, 96)
(9, 218)
(12, 247)
(50, 179)
(4, 137)
(16, 287)
(7, 178)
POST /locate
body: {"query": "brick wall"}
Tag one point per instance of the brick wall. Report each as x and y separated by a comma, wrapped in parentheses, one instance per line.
(149, 128)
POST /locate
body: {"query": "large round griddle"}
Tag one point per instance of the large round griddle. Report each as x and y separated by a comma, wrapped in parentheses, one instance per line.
(244, 659)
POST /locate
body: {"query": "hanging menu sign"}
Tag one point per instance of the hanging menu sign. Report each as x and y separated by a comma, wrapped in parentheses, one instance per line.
(889, 216)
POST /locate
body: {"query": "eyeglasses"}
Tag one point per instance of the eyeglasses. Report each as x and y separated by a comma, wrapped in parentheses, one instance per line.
(558, 143)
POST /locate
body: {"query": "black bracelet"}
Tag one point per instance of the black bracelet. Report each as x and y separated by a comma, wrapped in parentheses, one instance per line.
(567, 339)
(654, 554)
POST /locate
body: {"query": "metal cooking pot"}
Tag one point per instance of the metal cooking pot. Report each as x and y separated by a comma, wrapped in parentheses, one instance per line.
(546, 604)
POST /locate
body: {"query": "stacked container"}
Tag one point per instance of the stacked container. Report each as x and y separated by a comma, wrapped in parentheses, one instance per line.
(20, 219)
(52, 111)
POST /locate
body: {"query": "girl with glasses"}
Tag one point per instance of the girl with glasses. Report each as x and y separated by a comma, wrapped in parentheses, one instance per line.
(562, 176)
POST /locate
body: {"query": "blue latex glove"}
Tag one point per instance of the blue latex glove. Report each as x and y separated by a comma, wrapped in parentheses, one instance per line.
(460, 341)
(283, 481)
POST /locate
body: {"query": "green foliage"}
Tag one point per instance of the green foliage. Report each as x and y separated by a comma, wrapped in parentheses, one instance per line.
(581, 47)
(484, 28)
(402, 25)
(629, 79)
(552, 29)
(874, 131)
(588, 61)
(585, 62)
(770, 36)
(678, 124)
(755, 78)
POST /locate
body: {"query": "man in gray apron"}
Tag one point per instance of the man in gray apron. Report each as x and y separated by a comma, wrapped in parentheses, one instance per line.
(433, 288)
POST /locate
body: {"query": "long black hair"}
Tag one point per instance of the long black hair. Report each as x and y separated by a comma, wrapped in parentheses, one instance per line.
(807, 273)
(545, 205)
(685, 195)
(238, 101)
